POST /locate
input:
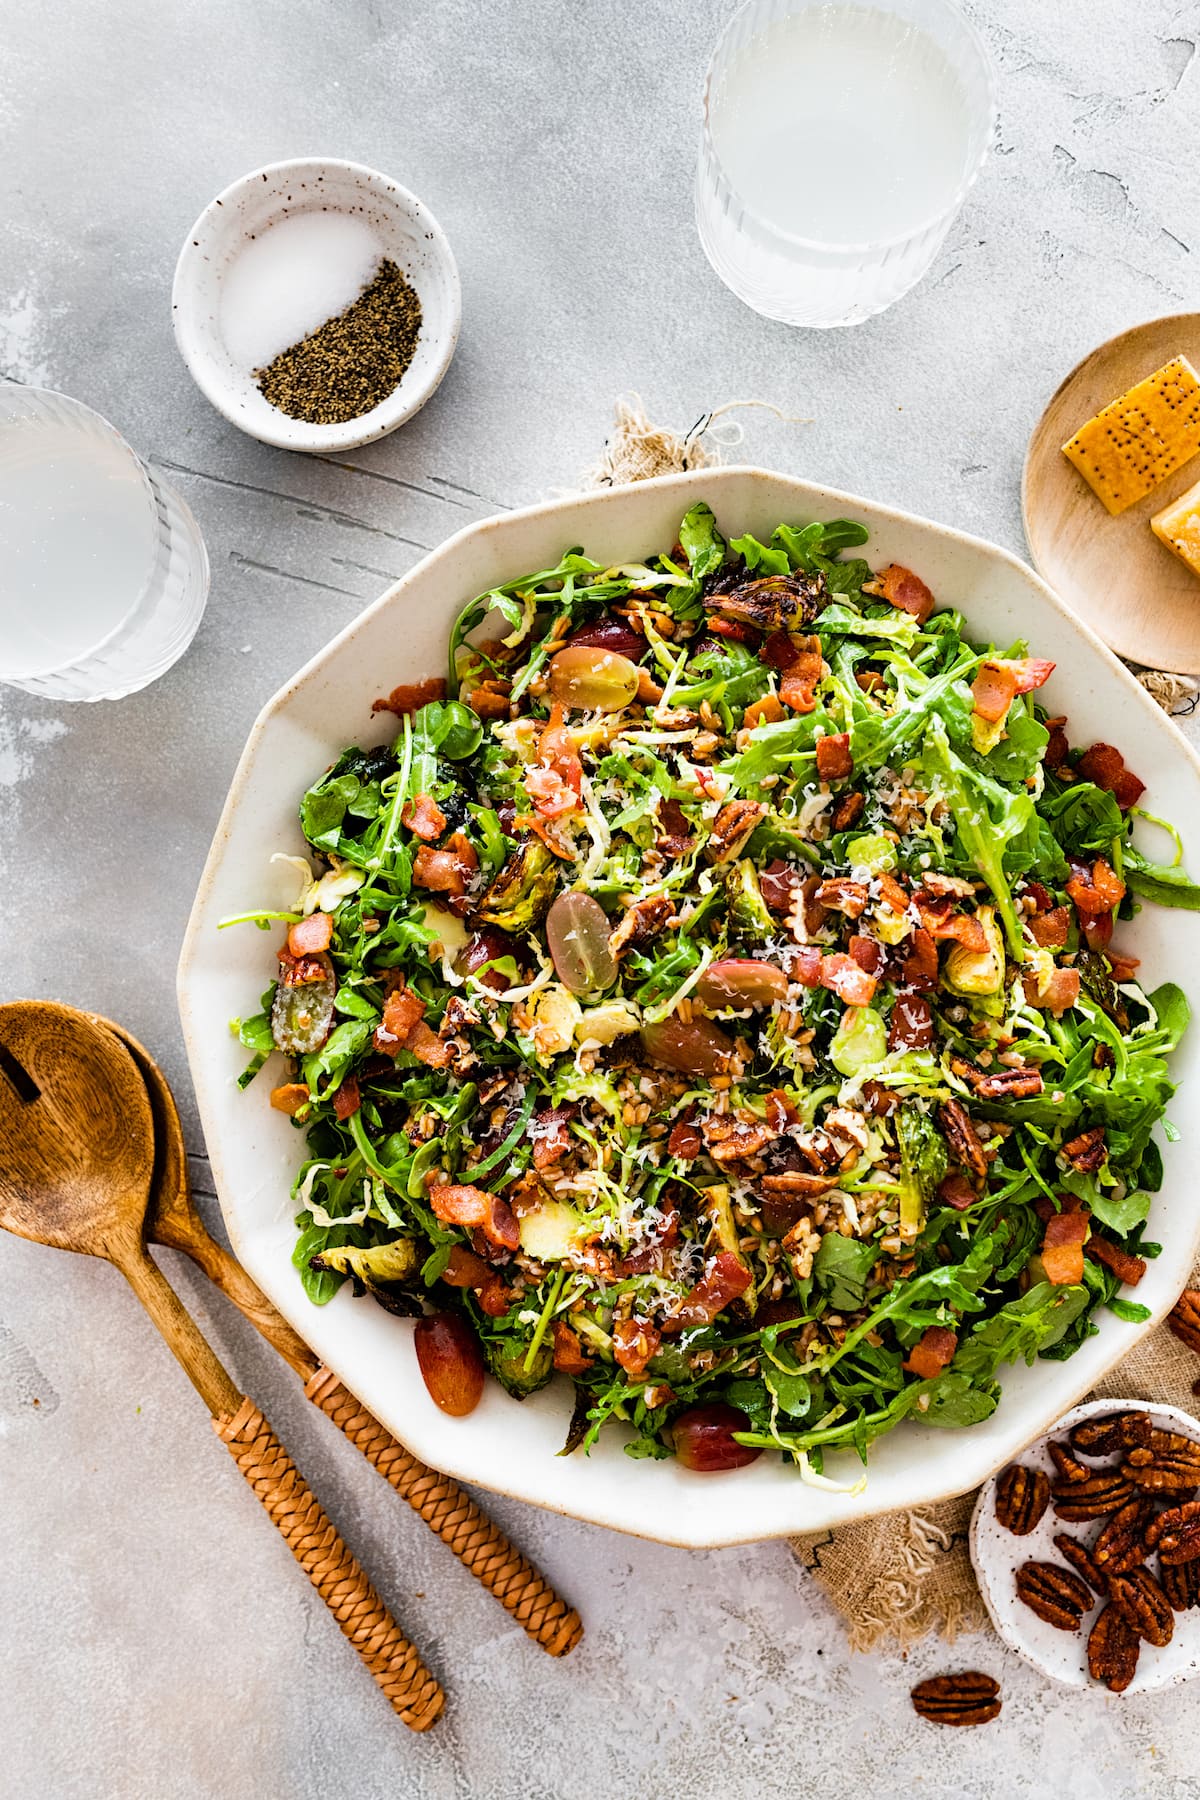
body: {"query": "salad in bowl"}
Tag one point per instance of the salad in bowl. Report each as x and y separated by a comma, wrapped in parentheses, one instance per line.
(715, 994)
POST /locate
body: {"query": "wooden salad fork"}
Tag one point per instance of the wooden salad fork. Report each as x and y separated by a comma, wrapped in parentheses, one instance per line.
(77, 1162)
(480, 1545)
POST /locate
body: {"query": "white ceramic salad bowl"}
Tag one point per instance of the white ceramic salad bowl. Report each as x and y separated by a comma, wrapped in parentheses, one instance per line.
(510, 1446)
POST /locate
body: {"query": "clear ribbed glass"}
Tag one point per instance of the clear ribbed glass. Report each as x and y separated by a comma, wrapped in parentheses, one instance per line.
(103, 571)
(778, 242)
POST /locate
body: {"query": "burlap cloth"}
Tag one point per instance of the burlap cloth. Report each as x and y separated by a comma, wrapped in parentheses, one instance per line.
(899, 1577)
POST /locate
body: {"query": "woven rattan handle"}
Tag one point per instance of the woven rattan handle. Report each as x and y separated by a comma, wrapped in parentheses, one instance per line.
(479, 1545)
(329, 1565)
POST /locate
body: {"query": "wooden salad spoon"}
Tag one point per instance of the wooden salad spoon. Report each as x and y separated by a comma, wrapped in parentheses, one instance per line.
(76, 1165)
(480, 1545)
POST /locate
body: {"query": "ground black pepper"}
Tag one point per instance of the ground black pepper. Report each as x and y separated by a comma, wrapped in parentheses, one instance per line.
(352, 362)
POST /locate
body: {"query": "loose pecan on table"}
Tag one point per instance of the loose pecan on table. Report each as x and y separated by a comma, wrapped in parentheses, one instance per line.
(1022, 1496)
(1184, 1318)
(1111, 1433)
(966, 1699)
(1054, 1594)
(1142, 1604)
(1112, 1650)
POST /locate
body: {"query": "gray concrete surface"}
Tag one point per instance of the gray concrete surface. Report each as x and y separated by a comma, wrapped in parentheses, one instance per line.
(155, 1638)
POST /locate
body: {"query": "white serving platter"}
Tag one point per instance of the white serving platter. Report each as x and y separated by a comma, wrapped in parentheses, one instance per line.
(513, 1447)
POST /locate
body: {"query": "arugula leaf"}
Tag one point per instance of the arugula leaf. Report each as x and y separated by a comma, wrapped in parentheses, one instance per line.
(987, 817)
(1021, 1329)
(700, 540)
(842, 1270)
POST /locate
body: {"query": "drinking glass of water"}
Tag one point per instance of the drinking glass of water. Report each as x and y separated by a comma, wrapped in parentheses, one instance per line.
(103, 572)
(840, 140)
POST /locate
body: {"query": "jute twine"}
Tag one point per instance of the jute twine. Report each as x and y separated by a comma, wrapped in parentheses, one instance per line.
(335, 1573)
(899, 1577)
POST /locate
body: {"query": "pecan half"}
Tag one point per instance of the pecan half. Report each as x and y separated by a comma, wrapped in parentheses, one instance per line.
(966, 1699)
(1121, 1545)
(1112, 1650)
(1087, 1151)
(1022, 1496)
(1110, 1433)
(1081, 1561)
(1168, 1462)
(955, 1124)
(1181, 1584)
(1142, 1604)
(1100, 1494)
(1010, 1084)
(1175, 1534)
(1184, 1318)
(1068, 1468)
(1054, 1594)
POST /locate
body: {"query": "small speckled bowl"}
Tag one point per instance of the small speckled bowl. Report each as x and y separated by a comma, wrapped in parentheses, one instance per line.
(997, 1555)
(410, 236)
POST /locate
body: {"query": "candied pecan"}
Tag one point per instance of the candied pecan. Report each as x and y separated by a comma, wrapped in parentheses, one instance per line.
(1184, 1318)
(1068, 1468)
(1082, 1562)
(1112, 1650)
(955, 1124)
(1168, 1462)
(1009, 1084)
(1121, 1545)
(966, 1699)
(549, 1133)
(1102, 1493)
(642, 923)
(797, 1184)
(1087, 1151)
(1054, 1594)
(1175, 1534)
(1110, 1433)
(847, 812)
(685, 1140)
(1142, 1603)
(1181, 1584)
(732, 826)
(842, 894)
(1022, 1496)
(729, 1140)
(1124, 1265)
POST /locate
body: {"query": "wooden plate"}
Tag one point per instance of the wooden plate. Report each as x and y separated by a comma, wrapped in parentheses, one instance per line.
(1114, 572)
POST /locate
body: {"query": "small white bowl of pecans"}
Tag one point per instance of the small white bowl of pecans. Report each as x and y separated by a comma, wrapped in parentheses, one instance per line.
(1087, 1548)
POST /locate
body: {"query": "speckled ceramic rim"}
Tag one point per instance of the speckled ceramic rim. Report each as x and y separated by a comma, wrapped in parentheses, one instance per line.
(411, 236)
(513, 1449)
(1011, 1625)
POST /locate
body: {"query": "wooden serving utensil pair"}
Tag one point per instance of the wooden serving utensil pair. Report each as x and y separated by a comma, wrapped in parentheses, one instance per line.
(92, 1159)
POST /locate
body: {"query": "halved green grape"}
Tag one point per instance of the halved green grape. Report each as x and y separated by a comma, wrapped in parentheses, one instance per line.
(577, 931)
(592, 680)
(741, 981)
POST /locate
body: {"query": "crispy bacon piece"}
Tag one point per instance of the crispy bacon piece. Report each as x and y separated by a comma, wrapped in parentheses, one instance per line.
(1009, 1084)
(311, 936)
(804, 965)
(903, 590)
(847, 812)
(778, 651)
(956, 1127)
(301, 971)
(473, 1207)
(641, 923)
(1088, 1151)
(1057, 750)
(550, 1135)
(868, 953)
(778, 883)
(956, 1191)
(423, 817)
(1050, 930)
(737, 629)
(767, 711)
(569, 1358)
(1062, 1247)
(1031, 672)
(842, 975)
(674, 829)
(938, 918)
(1125, 1267)
(834, 761)
(412, 697)
(685, 1141)
(1104, 765)
(911, 1023)
(841, 893)
(346, 1099)
(880, 1101)
(732, 826)
(1096, 930)
(725, 1279)
(1122, 966)
(635, 1341)
(1095, 890)
(781, 1114)
(466, 1270)
(651, 1253)
(290, 1097)
(921, 963)
(993, 691)
(402, 1010)
(428, 1047)
(448, 870)
(798, 683)
(489, 699)
(1060, 992)
(932, 1352)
